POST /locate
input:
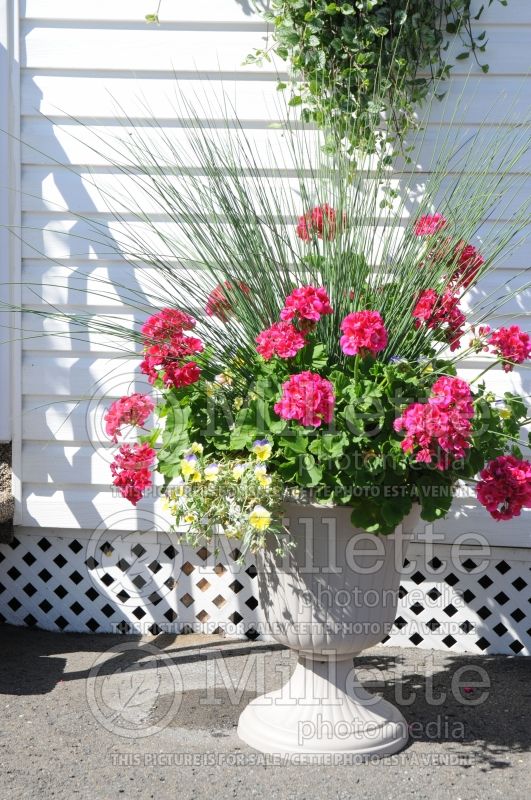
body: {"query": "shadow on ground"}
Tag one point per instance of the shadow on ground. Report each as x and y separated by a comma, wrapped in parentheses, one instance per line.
(480, 702)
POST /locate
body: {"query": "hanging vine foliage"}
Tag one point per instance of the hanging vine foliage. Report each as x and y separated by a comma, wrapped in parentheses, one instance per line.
(363, 62)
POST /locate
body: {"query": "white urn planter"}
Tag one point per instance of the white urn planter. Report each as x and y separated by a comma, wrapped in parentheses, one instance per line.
(334, 596)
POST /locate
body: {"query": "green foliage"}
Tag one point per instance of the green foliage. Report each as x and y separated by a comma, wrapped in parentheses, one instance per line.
(153, 19)
(357, 460)
(357, 62)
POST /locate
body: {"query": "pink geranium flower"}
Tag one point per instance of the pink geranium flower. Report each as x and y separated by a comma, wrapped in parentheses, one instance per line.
(133, 410)
(307, 303)
(320, 221)
(464, 261)
(161, 361)
(131, 469)
(429, 224)
(281, 339)
(511, 344)
(441, 424)
(425, 305)
(221, 300)
(441, 312)
(469, 263)
(308, 398)
(452, 393)
(364, 333)
(166, 324)
(167, 348)
(505, 487)
(178, 376)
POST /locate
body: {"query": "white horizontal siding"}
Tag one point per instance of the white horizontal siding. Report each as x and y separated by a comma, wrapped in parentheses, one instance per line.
(133, 194)
(66, 142)
(79, 240)
(211, 11)
(74, 507)
(135, 50)
(253, 99)
(102, 11)
(97, 61)
(138, 49)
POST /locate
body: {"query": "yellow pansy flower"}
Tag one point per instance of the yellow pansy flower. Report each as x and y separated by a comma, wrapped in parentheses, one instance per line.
(262, 449)
(188, 465)
(238, 471)
(260, 518)
(211, 472)
(261, 475)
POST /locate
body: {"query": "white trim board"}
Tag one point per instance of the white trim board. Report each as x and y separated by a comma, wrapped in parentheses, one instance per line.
(9, 204)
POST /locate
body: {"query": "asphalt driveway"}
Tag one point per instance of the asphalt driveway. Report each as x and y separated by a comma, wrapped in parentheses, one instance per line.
(122, 716)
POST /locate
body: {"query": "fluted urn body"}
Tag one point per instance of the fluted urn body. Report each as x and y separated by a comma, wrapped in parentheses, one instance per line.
(332, 597)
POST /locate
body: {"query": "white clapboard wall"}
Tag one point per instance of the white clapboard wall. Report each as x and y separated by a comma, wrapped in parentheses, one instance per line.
(77, 59)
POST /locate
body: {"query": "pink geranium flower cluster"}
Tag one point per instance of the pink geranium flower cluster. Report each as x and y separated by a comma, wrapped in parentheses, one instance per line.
(464, 259)
(131, 469)
(167, 348)
(181, 375)
(364, 333)
(220, 302)
(306, 304)
(133, 410)
(441, 424)
(440, 311)
(308, 398)
(167, 324)
(468, 264)
(320, 221)
(451, 394)
(281, 339)
(429, 224)
(511, 344)
(505, 487)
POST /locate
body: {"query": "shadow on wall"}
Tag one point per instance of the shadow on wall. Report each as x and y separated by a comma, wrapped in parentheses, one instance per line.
(87, 243)
(250, 7)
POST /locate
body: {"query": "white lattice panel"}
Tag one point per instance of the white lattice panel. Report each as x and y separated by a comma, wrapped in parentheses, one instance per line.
(467, 604)
(124, 582)
(116, 582)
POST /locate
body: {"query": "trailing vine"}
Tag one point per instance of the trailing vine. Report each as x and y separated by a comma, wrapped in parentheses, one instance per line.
(363, 62)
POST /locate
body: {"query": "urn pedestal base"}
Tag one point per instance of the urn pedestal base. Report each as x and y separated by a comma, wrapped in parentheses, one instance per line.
(322, 712)
(331, 598)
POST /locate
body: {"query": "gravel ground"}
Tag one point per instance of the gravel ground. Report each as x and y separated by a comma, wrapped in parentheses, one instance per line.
(119, 716)
(6, 499)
